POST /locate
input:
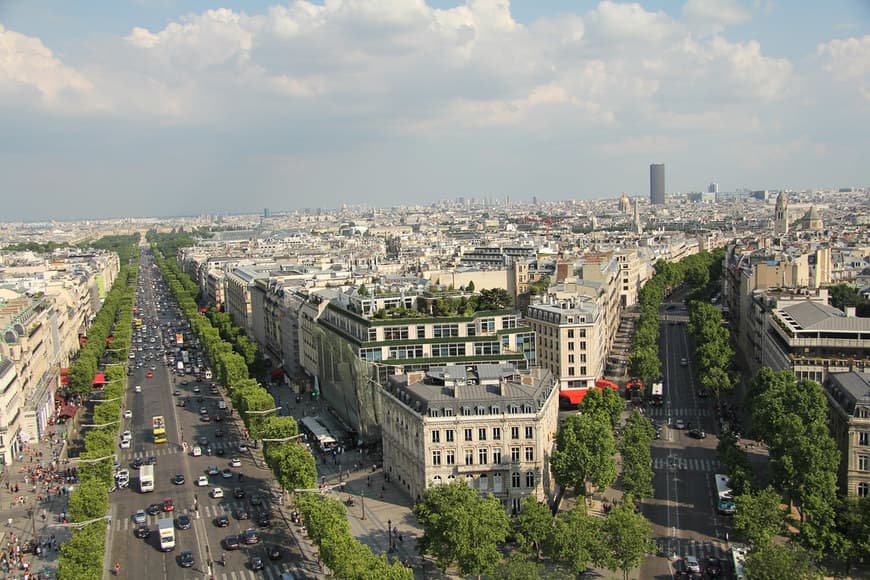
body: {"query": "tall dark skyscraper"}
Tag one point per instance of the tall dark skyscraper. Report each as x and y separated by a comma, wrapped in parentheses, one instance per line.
(657, 184)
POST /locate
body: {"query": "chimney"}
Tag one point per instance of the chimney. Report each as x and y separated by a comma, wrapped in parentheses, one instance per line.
(850, 312)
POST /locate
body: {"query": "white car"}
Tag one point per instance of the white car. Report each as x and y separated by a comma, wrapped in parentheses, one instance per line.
(217, 493)
(127, 435)
(202, 481)
(128, 414)
(235, 462)
(138, 389)
(692, 565)
(125, 444)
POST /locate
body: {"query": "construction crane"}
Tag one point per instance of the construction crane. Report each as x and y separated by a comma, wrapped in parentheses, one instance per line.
(547, 221)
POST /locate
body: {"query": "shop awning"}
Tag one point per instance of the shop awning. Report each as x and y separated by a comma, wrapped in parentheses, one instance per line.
(100, 379)
(64, 380)
(278, 372)
(68, 411)
(64, 370)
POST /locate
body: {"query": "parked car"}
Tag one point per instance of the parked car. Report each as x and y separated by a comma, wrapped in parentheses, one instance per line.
(235, 462)
(713, 567)
(698, 433)
(213, 470)
(217, 493)
(692, 565)
(202, 481)
(679, 424)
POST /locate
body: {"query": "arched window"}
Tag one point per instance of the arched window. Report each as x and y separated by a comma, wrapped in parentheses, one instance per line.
(436, 480)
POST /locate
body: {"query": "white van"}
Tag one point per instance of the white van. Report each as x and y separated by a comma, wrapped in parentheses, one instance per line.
(222, 405)
(197, 450)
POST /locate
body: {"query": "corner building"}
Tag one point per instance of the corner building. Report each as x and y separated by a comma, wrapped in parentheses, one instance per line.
(489, 424)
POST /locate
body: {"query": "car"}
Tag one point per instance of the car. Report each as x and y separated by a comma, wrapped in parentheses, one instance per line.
(219, 432)
(702, 393)
(176, 393)
(684, 362)
(185, 559)
(139, 517)
(151, 460)
(184, 383)
(205, 418)
(256, 563)
(196, 389)
(235, 462)
(217, 493)
(679, 424)
(182, 402)
(697, 433)
(125, 444)
(251, 537)
(137, 463)
(128, 414)
(182, 522)
(168, 504)
(149, 375)
(242, 514)
(227, 473)
(178, 479)
(692, 565)
(203, 441)
(122, 474)
(218, 417)
(713, 567)
(219, 450)
(238, 493)
(232, 543)
(256, 499)
(142, 532)
(202, 481)
(264, 519)
(222, 521)
(213, 470)
(203, 411)
(154, 509)
(127, 435)
(274, 552)
(138, 389)
(243, 447)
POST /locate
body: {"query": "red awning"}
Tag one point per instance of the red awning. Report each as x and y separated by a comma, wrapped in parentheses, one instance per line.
(64, 370)
(64, 379)
(100, 379)
(58, 397)
(68, 411)
(277, 372)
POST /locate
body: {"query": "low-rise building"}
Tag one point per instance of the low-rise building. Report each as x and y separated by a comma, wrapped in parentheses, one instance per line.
(489, 424)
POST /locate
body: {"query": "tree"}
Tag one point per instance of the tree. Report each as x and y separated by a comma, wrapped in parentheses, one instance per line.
(533, 526)
(637, 473)
(460, 525)
(88, 501)
(774, 562)
(758, 518)
(627, 536)
(294, 466)
(470, 286)
(494, 299)
(584, 453)
(518, 567)
(606, 401)
(843, 295)
(576, 540)
(273, 427)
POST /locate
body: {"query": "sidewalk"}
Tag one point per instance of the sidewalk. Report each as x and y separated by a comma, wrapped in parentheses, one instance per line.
(31, 515)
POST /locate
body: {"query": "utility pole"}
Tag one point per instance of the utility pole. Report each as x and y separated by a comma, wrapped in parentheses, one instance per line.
(362, 497)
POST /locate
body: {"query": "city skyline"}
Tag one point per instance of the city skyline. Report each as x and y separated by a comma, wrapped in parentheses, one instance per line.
(183, 108)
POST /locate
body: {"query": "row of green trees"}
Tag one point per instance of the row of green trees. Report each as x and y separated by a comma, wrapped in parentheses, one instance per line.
(109, 338)
(466, 529)
(292, 464)
(234, 335)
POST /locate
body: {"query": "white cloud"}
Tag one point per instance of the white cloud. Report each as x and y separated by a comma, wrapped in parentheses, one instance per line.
(848, 60)
(764, 78)
(27, 64)
(714, 15)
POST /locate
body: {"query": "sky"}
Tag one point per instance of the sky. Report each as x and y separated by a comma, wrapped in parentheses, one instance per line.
(131, 108)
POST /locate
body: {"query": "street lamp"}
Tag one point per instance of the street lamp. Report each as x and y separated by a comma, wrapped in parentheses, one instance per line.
(106, 400)
(101, 425)
(80, 460)
(262, 412)
(283, 439)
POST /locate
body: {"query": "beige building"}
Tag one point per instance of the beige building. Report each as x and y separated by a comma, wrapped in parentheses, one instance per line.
(489, 424)
(569, 340)
(849, 415)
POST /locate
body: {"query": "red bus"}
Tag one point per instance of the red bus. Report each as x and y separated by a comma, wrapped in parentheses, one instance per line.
(571, 398)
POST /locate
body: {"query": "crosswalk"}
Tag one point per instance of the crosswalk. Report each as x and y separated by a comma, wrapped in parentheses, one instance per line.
(683, 547)
(272, 572)
(230, 447)
(687, 464)
(687, 414)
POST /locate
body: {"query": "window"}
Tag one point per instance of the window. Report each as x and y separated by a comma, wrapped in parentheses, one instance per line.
(371, 354)
(453, 349)
(582, 333)
(373, 334)
(863, 463)
(516, 504)
(515, 479)
(496, 456)
(582, 345)
(509, 322)
(570, 345)
(450, 458)
(421, 331)
(570, 361)
(483, 348)
(466, 411)
(530, 431)
(863, 489)
(515, 454)
(436, 436)
(483, 482)
(496, 433)
(445, 330)
(395, 333)
(487, 324)
(469, 457)
(571, 333)
(469, 434)
(530, 479)
(448, 435)
(530, 453)
(448, 411)
(407, 351)
(571, 371)
(470, 330)
(436, 458)
(864, 438)
(481, 434)
(482, 457)
(515, 432)
(495, 410)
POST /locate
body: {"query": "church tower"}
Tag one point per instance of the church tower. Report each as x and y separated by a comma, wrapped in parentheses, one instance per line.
(780, 214)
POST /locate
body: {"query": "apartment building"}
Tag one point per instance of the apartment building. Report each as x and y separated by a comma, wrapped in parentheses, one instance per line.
(10, 412)
(489, 424)
(848, 396)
